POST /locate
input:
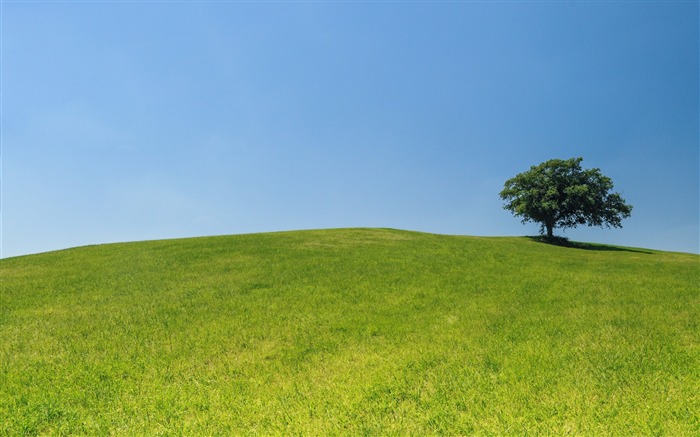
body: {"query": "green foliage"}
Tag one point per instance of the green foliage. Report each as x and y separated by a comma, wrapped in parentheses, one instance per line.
(560, 194)
(350, 332)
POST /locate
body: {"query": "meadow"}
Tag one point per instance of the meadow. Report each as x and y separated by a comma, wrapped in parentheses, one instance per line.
(350, 332)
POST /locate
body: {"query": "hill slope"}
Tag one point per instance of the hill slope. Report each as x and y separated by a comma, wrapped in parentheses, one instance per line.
(353, 331)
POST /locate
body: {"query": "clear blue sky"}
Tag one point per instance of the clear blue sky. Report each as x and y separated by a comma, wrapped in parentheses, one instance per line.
(130, 120)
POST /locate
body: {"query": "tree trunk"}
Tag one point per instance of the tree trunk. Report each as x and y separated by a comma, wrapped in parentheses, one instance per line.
(550, 231)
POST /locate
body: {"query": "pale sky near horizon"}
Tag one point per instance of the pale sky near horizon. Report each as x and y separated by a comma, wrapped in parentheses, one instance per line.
(140, 120)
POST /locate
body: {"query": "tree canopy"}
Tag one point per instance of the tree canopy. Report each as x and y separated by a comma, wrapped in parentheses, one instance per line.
(560, 194)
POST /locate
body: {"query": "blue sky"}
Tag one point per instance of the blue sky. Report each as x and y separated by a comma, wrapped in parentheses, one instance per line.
(126, 121)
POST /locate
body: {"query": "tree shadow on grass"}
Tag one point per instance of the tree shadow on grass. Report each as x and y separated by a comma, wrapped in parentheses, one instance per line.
(565, 242)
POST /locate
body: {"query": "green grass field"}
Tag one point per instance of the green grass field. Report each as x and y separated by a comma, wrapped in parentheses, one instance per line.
(350, 332)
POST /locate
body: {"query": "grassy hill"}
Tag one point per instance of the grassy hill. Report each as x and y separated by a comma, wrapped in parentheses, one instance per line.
(352, 332)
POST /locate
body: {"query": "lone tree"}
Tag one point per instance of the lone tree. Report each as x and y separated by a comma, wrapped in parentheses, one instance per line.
(560, 194)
